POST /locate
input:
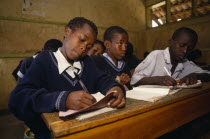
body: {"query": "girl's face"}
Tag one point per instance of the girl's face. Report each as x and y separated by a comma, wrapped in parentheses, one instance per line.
(77, 43)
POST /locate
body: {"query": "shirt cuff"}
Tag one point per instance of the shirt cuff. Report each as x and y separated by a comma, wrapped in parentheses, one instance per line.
(60, 104)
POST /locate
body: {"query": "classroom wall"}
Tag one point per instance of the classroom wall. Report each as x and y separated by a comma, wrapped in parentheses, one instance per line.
(25, 25)
(157, 38)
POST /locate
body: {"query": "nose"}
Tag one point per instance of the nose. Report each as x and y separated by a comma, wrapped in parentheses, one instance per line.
(83, 48)
(124, 47)
(184, 49)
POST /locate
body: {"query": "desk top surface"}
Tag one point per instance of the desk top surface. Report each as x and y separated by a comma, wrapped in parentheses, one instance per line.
(60, 127)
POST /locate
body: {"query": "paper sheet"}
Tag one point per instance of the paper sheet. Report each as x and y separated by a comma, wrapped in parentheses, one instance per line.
(150, 93)
(101, 102)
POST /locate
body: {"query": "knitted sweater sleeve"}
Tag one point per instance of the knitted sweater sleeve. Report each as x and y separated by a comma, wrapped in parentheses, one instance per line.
(30, 97)
(103, 81)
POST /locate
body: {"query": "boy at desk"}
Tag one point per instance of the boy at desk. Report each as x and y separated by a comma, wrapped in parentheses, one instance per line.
(164, 67)
(111, 62)
(50, 84)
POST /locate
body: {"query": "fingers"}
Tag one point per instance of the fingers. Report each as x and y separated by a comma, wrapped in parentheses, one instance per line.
(79, 99)
(169, 81)
(122, 104)
(124, 78)
(89, 97)
(189, 79)
(118, 100)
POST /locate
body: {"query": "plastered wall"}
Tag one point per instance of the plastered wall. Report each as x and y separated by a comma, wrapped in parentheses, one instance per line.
(25, 25)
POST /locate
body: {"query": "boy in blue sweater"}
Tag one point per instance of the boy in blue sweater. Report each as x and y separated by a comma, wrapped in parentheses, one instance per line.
(50, 84)
(111, 62)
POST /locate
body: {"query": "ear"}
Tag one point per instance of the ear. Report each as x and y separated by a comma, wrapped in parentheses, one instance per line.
(67, 31)
(107, 44)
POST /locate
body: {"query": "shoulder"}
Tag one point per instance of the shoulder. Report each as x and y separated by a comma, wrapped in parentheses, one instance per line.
(44, 58)
(156, 53)
(43, 55)
(97, 58)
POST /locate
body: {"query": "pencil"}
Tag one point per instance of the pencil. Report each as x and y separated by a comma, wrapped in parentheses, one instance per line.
(81, 83)
(167, 71)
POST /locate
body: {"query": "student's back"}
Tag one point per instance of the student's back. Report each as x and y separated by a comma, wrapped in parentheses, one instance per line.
(50, 45)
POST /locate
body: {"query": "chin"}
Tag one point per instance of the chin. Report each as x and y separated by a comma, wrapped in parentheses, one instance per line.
(180, 59)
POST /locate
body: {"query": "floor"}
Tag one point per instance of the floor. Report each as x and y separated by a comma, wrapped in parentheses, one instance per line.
(11, 128)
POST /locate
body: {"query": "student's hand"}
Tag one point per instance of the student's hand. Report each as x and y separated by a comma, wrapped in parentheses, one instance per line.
(79, 99)
(124, 78)
(118, 100)
(166, 80)
(189, 79)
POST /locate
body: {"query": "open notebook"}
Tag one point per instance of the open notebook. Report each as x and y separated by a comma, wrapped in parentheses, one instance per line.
(101, 102)
(153, 93)
(150, 93)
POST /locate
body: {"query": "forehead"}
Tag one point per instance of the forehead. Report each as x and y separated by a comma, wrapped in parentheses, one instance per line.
(183, 36)
(86, 30)
(98, 45)
(120, 37)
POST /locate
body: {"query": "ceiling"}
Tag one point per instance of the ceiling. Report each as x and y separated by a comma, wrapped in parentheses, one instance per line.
(180, 9)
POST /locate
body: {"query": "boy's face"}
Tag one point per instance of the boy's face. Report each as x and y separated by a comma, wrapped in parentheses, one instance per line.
(181, 46)
(96, 50)
(118, 46)
(77, 43)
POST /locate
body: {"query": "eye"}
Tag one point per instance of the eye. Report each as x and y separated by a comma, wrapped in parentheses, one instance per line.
(89, 46)
(120, 44)
(82, 39)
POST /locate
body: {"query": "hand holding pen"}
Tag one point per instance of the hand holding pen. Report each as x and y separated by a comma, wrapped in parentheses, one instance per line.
(167, 80)
(77, 100)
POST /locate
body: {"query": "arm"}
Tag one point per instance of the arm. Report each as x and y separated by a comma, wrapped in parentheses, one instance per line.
(193, 77)
(157, 80)
(30, 97)
(106, 84)
(192, 73)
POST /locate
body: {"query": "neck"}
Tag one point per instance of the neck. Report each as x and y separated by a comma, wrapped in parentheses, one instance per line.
(65, 55)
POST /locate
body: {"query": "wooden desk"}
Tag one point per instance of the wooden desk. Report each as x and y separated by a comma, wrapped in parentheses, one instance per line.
(140, 119)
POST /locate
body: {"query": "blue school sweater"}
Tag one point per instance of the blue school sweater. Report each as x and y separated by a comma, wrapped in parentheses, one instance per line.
(109, 68)
(44, 90)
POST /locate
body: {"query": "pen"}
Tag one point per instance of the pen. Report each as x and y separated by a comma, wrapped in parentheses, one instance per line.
(177, 81)
(81, 83)
(167, 71)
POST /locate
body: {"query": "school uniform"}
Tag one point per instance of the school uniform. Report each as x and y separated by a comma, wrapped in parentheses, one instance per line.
(48, 82)
(25, 65)
(154, 65)
(106, 64)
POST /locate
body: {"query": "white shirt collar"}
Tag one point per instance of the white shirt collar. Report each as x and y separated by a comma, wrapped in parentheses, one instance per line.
(167, 55)
(120, 62)
(63, 64)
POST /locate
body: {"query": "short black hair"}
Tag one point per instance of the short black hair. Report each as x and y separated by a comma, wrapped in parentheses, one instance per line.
(52, 45)
(101, 43)
(78, 22)
(129, 51)
(109, 33)
(189, 31)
